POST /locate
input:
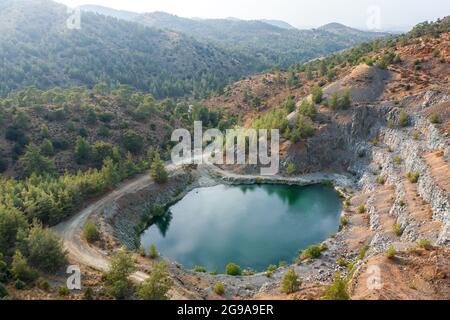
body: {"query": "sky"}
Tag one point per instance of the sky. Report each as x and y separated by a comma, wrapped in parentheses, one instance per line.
(394, 15)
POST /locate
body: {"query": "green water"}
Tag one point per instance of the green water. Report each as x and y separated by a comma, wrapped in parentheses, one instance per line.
(252, 226)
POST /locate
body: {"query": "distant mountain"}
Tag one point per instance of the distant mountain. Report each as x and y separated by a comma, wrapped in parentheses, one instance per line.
(278, 23)
(340, 29)
(37, 48)
(263, 42)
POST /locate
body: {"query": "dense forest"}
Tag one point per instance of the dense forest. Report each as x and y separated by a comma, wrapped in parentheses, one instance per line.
(36, 48)
(261, 42)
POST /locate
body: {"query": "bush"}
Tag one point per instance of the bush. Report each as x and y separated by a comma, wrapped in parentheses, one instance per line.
(337, 290)
(3, 292)
(403, 120)
(361, 209)
(362, 253)
(19, 285)
(317, 94)
(290, 170)
(341, 262)
(381, 180)
(270, 270)
(141, 251)
(413, 177)
(219, 288)
(43, 284)
(397, 160)
(424, 244)
(133, 141)
(34, 162)
(434, 118)
(290, 282)
(45, 250)
(200, 269)
(391, 252)
(153, 253)
(91, 232)
(158, 170)
(88, 294)
(157, 285)
(343, 221)
(21, 270)
(47, 148)
(233, 270)
(121, 267)
(312, 252)
(398, 230)
(63, 291)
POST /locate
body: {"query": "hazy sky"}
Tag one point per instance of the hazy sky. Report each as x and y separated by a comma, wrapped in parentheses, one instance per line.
(384, 14)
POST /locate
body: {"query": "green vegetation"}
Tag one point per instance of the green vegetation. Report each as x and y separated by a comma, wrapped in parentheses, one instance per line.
(317, 94)
(312, 252)
(397, 160)
(337, 290)
(153, 253)
(403, 119)
(200, 269)
(233, 270)
(362, 253)
(291, 282)
(157, 285)
(424, 244)
(20, 269)
(413, 177)
(361, 209)
(91, 232)
(435, 119)
(158, 170)
(398, 229)
(381, 180)
(270, 270)
(391, 252)
(291, 169)
(117, 278)
(219, 288)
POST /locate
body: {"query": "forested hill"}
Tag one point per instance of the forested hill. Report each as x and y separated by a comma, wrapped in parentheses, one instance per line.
(37, 48)
(268, 42)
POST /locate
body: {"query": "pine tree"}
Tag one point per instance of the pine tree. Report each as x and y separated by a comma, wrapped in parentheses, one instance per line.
(158, 170)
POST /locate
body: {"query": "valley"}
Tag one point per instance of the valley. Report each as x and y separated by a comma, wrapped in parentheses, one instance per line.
(85, 159)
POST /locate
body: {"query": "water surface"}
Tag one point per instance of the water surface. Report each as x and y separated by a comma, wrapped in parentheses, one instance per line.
(252, 226)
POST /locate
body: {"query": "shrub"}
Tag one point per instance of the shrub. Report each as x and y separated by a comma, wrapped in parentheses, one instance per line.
(341, 262)
(34, 162)
(91, 232)
(43, 284)
(397, 160)
(391, 252)
(403, 119)
(83, 150)
(3, 292)
(337, 290)
(312, 252)
(19, 284)
(434, 118)
(153, 253)
(21, 270)
(141, 251)
(291, 169)
(374, 141)
(317, 94)
(219, 288)
(398, 229)
(381, 180)
(233, 270)
(200, 269)
(133, 141)
(413, 177)
(361, 209)
(291, 282)
(416, 135)
(343, 221)
(157, 285)
(158, 170)
(47, 148)
(121, 267)
(88, 294)
(45, 249)
(362, 253)
(424, 244)
(270, 270)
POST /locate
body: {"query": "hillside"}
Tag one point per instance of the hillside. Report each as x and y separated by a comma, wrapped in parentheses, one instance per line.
(37, 49)
(264, 43)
